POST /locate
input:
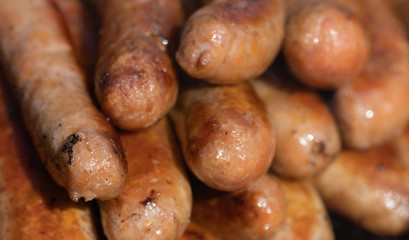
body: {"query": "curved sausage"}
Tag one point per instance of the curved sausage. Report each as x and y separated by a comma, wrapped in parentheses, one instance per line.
(230, 41)
(325, 45)
(253, 213)
(369, 187)
(156, 200)
(135, 80)
(79, 148)
(32, 205)
(306, 132)
(224, 133)
(307, 217)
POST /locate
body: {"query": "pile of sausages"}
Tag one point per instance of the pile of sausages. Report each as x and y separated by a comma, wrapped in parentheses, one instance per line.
(205, 119)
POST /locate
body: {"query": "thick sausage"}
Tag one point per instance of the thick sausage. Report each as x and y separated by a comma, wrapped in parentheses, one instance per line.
(253, 213)
(369, 187)
(307, 217)
(224, 133)
(230, 41)
(32, 205)
(78, 146)
(325, 45)
(306, 132)
(156, 200)
(135, 80)
(373, 109)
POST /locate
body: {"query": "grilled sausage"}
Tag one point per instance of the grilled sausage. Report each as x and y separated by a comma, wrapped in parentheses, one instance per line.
(372, 109)
(78, 146)
(224, 134)
(325, 45)
(230, 41)
(156, 200)
(307, 218)
(32, 205)
(307, 135)
(371, 188)
(135, 80)
(253, 213)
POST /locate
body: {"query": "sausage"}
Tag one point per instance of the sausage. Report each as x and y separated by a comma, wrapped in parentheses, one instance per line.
(325, 45)
(307, 135)
(371, 110)
(252, 213)
(32, 205)
(156, 200)
(79, 148)
(196, 232)
(135, 80)
(224, 133)
(370, 187)
(230, 41)
(82, 28)
(307, 217)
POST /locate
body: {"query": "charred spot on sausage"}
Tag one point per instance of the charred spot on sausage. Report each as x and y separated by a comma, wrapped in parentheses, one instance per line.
(69, 144)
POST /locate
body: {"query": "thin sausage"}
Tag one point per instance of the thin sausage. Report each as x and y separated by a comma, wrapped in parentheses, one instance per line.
(78, 146)
(32, 205)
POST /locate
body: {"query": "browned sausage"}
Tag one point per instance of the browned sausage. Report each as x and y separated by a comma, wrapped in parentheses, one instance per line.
(224, 133)
(372, 109)
(196, 232)
(156, 200)
(229, 41)
(135, 81)
(325, 45)
(370, 187)
(307, 135)
(32, 205)
(253, 213)
(307, 218)
(78, 146)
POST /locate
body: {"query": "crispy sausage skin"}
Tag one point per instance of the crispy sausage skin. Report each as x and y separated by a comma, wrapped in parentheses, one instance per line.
(307, 218)
(370, 187)
(32, 205)
(372, 109)
(156, 200)
(224, 133)
(252, 213)
(135, 80)
(325, 45)
(306, 131)
(230, 41)
(79, 148)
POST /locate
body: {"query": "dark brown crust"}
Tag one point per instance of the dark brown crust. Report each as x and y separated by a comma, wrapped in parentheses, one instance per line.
(230, 41)
(225, 135)
(52, 91)
(156, 200)
(135, 80)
